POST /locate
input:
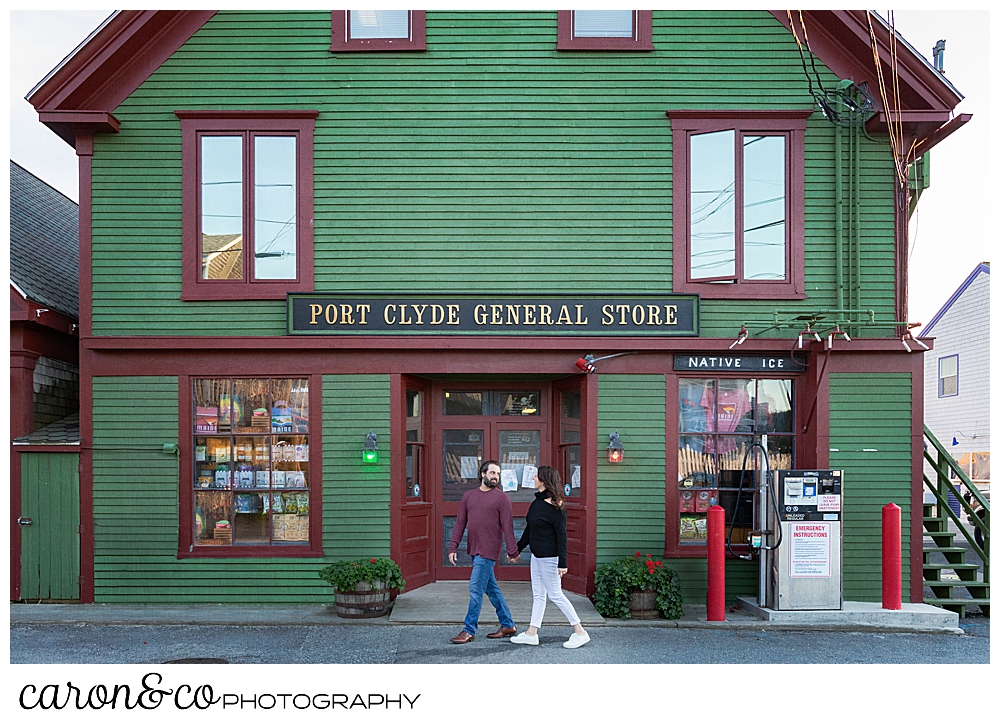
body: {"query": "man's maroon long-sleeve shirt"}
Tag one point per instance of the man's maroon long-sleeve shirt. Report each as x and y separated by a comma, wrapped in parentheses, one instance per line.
(489, 519)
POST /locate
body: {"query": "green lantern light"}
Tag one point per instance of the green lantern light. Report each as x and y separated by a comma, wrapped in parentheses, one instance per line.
(369, 456)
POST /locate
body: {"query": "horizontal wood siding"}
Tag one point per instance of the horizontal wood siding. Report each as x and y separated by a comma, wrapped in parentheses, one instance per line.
(630, 495)
(136, 500)
(870, 441)
(692, 573)
(355, 496)
(490, 154)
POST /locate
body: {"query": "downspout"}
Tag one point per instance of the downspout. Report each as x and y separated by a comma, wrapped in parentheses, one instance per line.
(838, 132)
(857, 217)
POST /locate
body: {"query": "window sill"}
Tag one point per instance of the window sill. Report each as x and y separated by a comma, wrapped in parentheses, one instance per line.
(215, 292)
(753, 290)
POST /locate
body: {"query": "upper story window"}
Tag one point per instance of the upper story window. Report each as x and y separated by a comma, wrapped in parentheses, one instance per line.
(247, 203)
(948, 376)
(738, 203)
(605, 30)
(377, 30)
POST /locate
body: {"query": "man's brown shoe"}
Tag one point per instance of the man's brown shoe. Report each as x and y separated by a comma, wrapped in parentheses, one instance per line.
(501, 633)
(463, 638)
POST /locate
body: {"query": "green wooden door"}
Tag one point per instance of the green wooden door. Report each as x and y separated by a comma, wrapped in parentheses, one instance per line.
(50, 544)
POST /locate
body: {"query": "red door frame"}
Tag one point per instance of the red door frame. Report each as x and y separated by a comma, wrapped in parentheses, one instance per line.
(411, 541)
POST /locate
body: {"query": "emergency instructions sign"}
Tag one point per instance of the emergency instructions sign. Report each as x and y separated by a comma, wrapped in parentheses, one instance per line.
(809, 549)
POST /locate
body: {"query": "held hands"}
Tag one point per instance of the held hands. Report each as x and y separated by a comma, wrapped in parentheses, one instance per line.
(453, 559)
(515, 559)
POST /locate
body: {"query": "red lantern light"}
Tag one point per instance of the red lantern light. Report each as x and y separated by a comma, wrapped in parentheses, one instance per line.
(616, 451)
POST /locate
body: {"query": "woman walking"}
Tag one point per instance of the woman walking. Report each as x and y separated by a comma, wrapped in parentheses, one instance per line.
(545, 532)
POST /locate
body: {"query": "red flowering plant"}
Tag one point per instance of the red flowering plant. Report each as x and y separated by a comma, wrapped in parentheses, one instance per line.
(377, 572)
(616, 580)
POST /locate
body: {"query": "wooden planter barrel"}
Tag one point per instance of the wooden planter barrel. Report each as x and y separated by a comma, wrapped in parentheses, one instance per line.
(642, 604)
(364, 601)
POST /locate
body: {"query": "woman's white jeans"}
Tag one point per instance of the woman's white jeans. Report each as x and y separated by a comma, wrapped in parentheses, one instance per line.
(545, 581)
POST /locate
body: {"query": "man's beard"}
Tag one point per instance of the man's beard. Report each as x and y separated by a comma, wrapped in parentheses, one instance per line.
(490, 483)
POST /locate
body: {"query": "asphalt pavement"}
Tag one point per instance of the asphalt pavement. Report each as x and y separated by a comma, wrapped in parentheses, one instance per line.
(85, 643)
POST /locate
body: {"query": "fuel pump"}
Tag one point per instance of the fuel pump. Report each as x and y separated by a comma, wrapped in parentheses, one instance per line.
(797, 535)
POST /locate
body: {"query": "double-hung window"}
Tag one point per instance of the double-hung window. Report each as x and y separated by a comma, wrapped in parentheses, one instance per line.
(247, 203)
(948, 376)
(373, 30)
(605, 30)
(738, 201)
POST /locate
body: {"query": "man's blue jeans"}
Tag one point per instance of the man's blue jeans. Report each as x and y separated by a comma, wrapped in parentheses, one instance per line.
(483, 581)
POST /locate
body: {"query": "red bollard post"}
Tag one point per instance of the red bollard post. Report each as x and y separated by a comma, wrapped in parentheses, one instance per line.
(892, 558)
(716, 563)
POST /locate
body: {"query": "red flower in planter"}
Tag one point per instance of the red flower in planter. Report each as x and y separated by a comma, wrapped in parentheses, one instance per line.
(373, 560)
(638, 554)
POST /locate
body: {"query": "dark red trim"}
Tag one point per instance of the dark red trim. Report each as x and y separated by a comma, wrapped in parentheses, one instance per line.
(841, 39)
(46, 448)
(85, 152)
(68, 124)
(917, 477)
(598, 346)
(87, 454)
(791, 123)
(300, 123)
(342, 42)
(589, 451)
(397, 465)
(641, 40)
(185, 531)
(114, 63)
(22, 372)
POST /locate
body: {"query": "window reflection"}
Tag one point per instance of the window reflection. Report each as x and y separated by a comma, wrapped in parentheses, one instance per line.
(275, 197)
(222, 207)
(764, 207)
(712, 210)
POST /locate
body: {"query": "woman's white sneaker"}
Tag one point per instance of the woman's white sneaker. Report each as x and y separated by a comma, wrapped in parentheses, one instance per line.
(577, 640)
(523, 638)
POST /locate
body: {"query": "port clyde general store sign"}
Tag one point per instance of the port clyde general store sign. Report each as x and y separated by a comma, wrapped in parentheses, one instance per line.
(665, 315)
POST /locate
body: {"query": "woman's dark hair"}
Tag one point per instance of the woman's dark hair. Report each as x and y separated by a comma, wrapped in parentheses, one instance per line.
(553, 484)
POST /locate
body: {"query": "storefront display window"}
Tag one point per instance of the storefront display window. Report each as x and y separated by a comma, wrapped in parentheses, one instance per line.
(718, 422)
(569, 442)
(251, 462)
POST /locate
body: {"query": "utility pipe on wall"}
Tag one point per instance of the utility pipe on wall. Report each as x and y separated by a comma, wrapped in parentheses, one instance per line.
(838, 170)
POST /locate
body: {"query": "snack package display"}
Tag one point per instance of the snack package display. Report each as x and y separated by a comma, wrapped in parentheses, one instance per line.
(263, 478)
(278, 479)
(687, 501)
(302, 500)
(701, 528)
(291, 502)
(278, 502)
(704, 501)
(689, 530)
(301, 453)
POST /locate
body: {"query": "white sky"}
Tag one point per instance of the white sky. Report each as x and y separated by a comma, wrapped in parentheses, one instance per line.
(949, 234)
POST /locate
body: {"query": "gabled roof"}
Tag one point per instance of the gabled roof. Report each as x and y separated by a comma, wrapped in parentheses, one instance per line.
(44, 243)
(81, 93)
(983, 268)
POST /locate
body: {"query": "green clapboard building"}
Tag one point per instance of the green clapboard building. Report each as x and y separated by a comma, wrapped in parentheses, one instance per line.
(485, 235)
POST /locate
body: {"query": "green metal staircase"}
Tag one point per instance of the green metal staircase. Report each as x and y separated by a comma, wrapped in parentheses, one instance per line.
(944, 577)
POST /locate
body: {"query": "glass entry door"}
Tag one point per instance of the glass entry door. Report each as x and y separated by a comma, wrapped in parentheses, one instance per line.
(509, 425)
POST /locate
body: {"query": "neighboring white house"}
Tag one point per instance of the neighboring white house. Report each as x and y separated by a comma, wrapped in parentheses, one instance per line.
(957, 375)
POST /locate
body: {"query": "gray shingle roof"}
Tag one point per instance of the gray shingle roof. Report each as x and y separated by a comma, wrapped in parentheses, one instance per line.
(61, 432)
(44, 243)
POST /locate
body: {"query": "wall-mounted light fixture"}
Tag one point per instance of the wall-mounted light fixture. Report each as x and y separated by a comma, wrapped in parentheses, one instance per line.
(587, 363)
(616, 451)
(369, 455)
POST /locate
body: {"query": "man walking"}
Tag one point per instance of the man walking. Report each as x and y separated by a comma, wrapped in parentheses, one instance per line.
(487, 512)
